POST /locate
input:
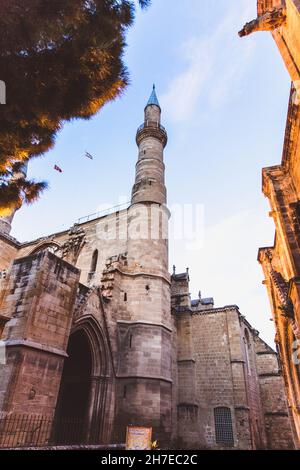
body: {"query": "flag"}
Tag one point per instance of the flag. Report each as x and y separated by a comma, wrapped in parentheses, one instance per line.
(88, 155)
(57, 168)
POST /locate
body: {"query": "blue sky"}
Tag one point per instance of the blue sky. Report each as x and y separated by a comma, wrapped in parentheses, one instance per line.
(224, 102)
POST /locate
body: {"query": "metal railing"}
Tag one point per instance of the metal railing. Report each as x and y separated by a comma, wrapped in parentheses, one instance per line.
(25, 430)
(154, 124)
(103, 213)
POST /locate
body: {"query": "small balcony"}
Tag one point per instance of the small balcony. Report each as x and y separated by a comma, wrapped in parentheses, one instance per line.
(154, 129)
(154, 124)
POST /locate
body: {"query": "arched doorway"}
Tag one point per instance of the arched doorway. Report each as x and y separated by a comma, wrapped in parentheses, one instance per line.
(71, 420)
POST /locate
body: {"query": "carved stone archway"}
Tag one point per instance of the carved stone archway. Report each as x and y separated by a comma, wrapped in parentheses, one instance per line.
(48, 245)
(71, 420)
(99, 381)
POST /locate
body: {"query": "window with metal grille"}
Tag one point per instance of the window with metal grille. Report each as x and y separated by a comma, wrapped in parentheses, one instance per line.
(223, 426)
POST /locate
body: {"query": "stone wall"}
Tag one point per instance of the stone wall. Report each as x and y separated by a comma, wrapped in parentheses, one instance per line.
(277, 420)
(8, 252)
(39, 299)
(274, 402)
(187, 403)
(231, 373)
(106, 234)
(214, 380)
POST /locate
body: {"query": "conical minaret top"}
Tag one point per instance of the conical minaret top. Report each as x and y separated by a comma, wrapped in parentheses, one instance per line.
(151, 139)
(153, 98)
(152, 109)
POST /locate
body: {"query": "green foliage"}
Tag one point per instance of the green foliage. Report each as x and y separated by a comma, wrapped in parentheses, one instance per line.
(60, 60)
(15, 189)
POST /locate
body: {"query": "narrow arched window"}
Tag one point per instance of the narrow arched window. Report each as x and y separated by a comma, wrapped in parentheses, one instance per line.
(223, 426)
(93, 265)
(94, 261)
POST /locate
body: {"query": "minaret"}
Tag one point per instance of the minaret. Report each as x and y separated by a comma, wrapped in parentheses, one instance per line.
(6, 221)
(151, 139)
(144, 318)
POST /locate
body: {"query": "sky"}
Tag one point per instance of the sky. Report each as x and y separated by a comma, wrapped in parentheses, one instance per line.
(224, 104)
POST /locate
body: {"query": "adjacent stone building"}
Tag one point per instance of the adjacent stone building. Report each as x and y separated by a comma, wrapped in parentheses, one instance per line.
(281, 185)
(98, 335)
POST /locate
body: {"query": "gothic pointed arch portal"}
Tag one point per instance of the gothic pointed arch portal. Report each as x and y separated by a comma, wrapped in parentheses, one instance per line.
(82, 412)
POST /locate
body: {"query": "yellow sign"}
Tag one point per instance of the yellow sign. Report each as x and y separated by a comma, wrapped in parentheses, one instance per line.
(138, 438)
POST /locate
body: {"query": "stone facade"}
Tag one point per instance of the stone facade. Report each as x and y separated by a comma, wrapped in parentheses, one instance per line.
(97, 330)
(281, 185)
(224, 364)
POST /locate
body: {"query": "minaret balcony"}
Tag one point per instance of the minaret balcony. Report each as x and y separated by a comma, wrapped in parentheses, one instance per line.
(152, 129)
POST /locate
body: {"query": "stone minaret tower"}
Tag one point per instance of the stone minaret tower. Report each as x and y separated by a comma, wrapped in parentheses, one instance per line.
(148, 214)
(145, 394)
(151, 139)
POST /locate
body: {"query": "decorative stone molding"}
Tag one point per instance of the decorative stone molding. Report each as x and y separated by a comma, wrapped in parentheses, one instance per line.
(113, 264)
(295, 216)
(35, 345)
(269, 21)
(292, 128)
(282, 288)
(83, 294)
(143, 323)
(73, 245)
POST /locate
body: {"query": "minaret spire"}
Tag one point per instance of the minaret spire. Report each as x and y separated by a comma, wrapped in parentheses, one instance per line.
(151, 139)
(153, 100)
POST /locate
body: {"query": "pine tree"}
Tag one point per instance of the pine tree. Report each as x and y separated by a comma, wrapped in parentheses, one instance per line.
(60, 60)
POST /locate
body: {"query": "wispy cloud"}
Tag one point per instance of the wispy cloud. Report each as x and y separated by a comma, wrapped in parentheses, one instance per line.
(215, 65)
(226, 267)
